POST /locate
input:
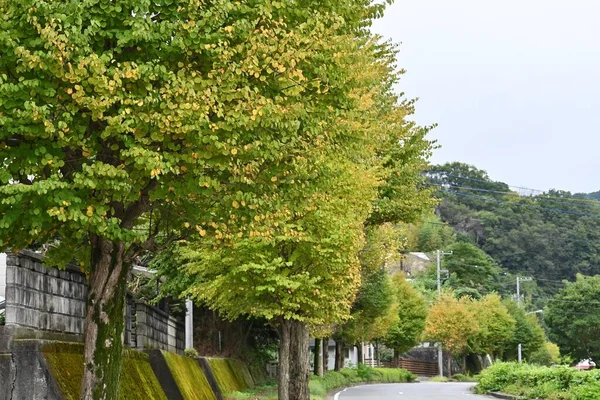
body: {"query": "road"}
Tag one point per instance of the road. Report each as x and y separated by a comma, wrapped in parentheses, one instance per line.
(411, 391)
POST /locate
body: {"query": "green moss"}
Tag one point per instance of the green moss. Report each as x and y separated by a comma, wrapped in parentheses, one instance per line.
(189, 377)
(227, 375)
(138, 382)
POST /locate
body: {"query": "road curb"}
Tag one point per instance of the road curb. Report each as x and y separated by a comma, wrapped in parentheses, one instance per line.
(505, 396)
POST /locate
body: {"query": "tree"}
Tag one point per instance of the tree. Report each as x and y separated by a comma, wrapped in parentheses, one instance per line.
(301, 268)
(452, 322)
(472, 267)
(496, 326)
(405, 333)
(374, 308)
(548, 354)
(126, 125)
(528, 333)
(573, 318)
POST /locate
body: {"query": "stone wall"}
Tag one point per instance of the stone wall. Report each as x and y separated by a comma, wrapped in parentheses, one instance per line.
(45, 299)
(157, 330)
(2, 274)
(46, 302)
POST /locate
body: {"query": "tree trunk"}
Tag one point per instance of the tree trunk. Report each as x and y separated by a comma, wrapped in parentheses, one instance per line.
(325, 355)
(360, 354)
(464, 364)
(104, 323)
(299, 361)
(317, 355)
(449, 362)
(283, 372)
(339, 355)
(376, 355)
(396, 360)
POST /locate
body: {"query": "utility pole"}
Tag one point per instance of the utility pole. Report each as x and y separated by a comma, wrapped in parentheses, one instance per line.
(439, 255)
(519, 280)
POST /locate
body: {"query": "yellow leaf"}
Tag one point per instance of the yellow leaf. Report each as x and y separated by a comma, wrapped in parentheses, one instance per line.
(234, 151)
(187, 224)
(235, 204)
(90, 211)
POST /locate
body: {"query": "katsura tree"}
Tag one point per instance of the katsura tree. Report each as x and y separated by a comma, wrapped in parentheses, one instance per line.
(406, 331)
(299, 264)
(452, 322)
(125, 125)
(496, 326)
(301, 270)
(374, 308)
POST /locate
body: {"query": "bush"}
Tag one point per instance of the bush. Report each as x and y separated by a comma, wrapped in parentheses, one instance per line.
(191, 352)
(533, 381)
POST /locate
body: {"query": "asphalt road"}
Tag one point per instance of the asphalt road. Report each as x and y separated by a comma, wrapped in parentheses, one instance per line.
(411, 391)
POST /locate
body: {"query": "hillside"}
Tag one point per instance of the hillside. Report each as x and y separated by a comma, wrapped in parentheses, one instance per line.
(550, 236)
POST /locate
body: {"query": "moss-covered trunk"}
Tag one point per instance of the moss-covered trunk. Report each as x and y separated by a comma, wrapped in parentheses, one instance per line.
(104, 324)
(299, 361)
(283, 371)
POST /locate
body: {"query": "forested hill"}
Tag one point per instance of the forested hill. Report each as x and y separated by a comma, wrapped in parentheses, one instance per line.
(549, 236)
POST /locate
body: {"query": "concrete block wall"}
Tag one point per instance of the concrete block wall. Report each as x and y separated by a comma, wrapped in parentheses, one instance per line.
(2, 274)
(50, 301)
(157, 330)
(45, 299)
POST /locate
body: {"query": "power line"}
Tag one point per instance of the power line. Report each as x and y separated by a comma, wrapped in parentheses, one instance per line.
(559, 200)
(588, 199)
(556, 210)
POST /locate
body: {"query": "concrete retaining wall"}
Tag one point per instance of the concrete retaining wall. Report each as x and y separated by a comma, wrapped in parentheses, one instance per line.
(45, 299)
(45, 302)
(2, 274)
(158, 330)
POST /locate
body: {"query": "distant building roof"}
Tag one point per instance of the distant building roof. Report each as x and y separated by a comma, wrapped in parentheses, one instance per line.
(422, 256)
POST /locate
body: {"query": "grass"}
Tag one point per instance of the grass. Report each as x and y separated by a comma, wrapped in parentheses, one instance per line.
(320, 386)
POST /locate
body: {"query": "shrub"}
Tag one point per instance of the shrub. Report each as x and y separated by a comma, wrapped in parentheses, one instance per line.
(533, 381)
(191, 352)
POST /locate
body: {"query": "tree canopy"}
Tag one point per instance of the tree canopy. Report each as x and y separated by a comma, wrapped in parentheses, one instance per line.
(573, 318)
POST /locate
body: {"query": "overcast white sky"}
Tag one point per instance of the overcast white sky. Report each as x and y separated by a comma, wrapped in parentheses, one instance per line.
(513, 84)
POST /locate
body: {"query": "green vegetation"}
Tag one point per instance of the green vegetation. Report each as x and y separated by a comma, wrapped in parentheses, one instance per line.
(439, 379)
(189, 377)
(573, 317)
(320, 386)
(138, 381)
(231, 375)
(533, 381)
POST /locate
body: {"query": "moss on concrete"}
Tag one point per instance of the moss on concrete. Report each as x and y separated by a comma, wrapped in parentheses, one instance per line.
(138, 382)
(189, 377)
(231, 375)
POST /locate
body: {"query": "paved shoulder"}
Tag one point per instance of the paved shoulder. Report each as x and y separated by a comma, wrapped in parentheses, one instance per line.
(411, 391)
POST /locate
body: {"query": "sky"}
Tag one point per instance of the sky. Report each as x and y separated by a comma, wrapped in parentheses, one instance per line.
(514, 85)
